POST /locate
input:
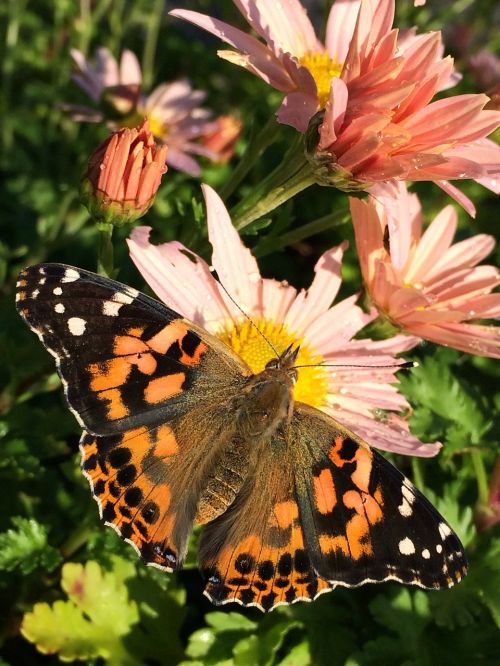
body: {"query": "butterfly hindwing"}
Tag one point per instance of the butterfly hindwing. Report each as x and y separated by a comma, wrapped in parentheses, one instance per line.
(255, 552)
(363, 520)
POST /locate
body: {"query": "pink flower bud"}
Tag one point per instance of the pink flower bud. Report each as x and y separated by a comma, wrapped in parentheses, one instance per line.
(123, 176)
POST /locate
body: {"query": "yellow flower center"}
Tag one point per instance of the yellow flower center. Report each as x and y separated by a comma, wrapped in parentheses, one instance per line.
(157, 127)
(311, 386)
(323, 69)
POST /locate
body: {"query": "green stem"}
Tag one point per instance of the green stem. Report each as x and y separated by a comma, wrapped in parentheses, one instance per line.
(418, 477)
(271, 244)
(481, 477)
(105, 250)
(276, 197)
(256, 146)
(76, 540)
(152, 32)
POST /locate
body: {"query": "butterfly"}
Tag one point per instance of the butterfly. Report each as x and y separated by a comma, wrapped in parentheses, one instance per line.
(178, 431)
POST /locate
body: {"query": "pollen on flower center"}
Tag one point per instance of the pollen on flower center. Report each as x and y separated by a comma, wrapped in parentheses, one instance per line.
(311, 386)
(323, 69)
(157, 126)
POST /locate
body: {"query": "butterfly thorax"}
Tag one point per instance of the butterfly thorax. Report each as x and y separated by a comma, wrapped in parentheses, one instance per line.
(265, 403)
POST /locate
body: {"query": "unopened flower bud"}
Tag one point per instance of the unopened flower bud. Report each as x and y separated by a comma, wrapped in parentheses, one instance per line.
(123, 176)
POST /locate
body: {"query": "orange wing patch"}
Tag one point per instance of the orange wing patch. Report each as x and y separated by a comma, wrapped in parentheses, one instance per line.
(125, 473)
(134, 352)
(254, 572)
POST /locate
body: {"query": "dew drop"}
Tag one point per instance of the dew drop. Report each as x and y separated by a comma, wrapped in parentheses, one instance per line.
(254, 277)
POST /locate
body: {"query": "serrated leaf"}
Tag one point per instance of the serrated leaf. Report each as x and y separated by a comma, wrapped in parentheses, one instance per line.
(299, 655)
(26, 548)
(434, 386)
(94, 620)
(229, 622)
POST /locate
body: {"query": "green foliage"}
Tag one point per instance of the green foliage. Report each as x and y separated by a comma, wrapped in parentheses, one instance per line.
(70, 589)
(26, 548)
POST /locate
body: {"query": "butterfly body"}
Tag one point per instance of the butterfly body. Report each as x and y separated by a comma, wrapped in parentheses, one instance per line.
(178, 431)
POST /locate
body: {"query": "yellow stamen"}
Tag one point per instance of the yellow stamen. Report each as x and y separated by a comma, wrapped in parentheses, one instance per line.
(157, 127)
(323, 69)
(311, 386)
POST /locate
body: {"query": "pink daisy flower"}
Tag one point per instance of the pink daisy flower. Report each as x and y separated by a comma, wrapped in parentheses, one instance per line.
(356, 397)
(378, 123)
(425, 285)
(173, 109)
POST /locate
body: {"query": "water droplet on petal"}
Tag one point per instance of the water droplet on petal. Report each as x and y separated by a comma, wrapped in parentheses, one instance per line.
(254, 277)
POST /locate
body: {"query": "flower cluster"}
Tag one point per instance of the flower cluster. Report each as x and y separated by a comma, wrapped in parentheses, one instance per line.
(173, 109)
(363, 100)
(365, 95)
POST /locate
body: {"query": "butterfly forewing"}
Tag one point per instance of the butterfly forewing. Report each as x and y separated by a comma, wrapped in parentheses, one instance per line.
(126, 360)
(153, 392)
(363, 520)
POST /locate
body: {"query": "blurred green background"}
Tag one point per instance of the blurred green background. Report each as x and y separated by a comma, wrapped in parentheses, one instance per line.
(96, 602)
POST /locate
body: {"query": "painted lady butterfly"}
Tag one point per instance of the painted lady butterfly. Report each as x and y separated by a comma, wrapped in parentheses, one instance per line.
(178, 431)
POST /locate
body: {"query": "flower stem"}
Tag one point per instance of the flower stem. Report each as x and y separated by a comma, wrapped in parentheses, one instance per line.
(270, 244)
(257, 144)
(289, 178)
(148, 55)
(105, 250)
(481, 477)
(418, 477)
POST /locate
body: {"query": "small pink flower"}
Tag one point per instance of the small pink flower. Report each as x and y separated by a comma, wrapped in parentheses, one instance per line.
(425, 285)
(356, 397)
(173, 109)
(123, 176)
(380, 124)
(221, 140)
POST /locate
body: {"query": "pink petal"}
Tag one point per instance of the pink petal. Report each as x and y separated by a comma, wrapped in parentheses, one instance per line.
(237, 269)
(391, 434)
(297, 110)
(182, 162)
(340, 27)
(334, 328)
(261, 58)
(334, 113)
(178, 277)
(284, 25)
(434, 243)
(486, 306)
(458, 196)
(310, 304)
(465, 254)
(469, 338)
(404, 218)
(130, 69)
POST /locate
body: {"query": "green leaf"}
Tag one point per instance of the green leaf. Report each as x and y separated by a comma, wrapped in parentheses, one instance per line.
(26, 547)
(94, 619)
(434, 386)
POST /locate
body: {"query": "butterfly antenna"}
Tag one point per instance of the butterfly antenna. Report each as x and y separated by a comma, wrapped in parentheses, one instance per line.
(252, 323)
(404, 365)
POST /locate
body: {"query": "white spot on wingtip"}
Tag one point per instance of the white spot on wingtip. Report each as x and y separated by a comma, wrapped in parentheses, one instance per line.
(70, 275)
(426, 554)
(406, 546)
(76, 325)
(59, 307)
(57, 291)
(439, 548)
(444, 530)
(111, 308)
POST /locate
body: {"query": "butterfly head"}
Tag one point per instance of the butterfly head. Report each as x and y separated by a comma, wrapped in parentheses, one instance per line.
(286, 362)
